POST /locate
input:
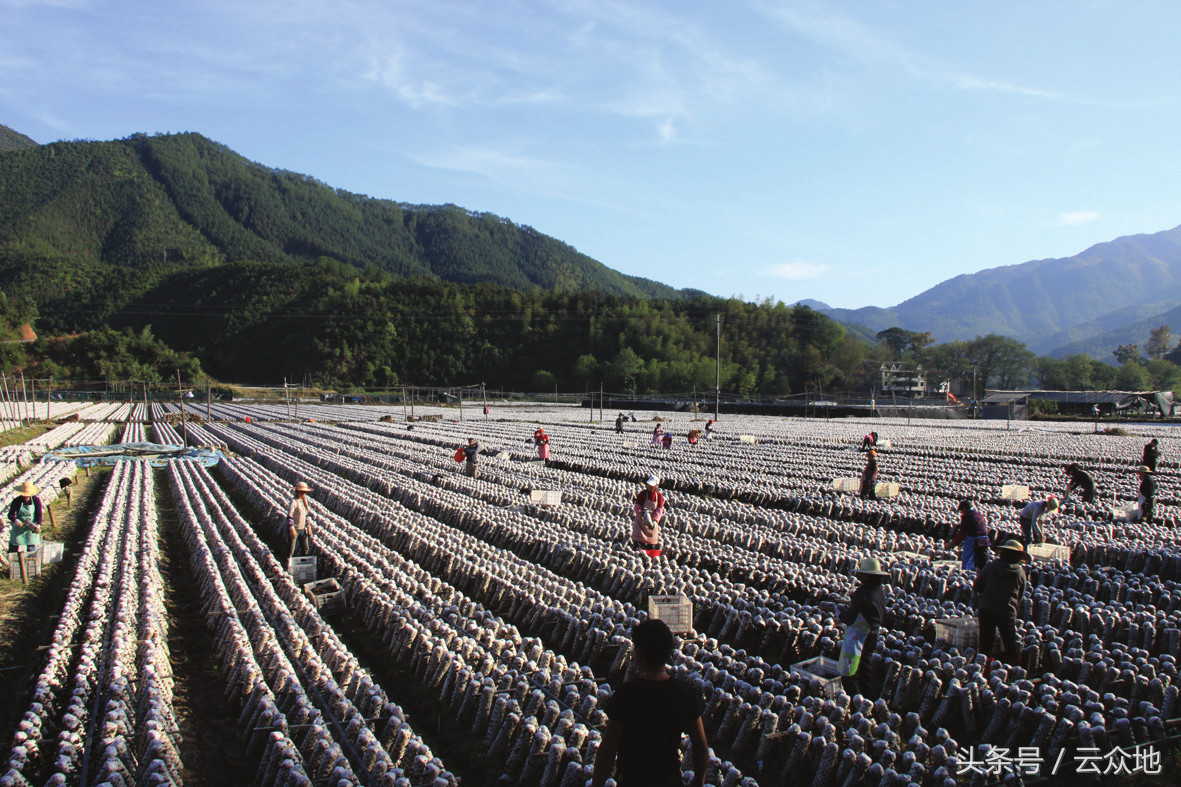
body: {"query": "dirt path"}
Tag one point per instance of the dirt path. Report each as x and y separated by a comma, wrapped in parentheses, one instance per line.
(212, 752)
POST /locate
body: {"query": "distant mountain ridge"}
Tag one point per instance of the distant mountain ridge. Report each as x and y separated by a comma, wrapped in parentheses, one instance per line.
(13, 140)
(85, 227)
(1111, 290)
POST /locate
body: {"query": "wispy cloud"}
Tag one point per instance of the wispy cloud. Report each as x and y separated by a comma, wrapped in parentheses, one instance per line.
(797, 270)
(1076, 217)
(862, 43)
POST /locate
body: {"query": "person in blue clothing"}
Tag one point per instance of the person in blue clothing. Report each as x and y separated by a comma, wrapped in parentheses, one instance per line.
(24, 515)
(973, 533)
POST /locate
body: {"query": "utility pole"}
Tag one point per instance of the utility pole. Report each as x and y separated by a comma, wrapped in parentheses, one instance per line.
(184, 421)
(484, 396)
(718, 368)
(286, 401)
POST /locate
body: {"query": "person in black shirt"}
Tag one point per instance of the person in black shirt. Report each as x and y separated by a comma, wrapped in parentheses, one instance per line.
(1079, 479)
(1147, 493)
(998, 588)
(646, 716)
(471, 453)
(863, 618)
(1151, 454)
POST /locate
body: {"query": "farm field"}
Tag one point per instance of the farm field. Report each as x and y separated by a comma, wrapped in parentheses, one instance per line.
(479, 631)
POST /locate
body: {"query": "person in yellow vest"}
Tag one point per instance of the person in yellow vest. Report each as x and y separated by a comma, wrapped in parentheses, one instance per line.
(24, 514)
(299, 526)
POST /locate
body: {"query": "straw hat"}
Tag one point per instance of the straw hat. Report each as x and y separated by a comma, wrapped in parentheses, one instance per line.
(1013, 545)
(871, 566)
(653, 480)
(1144, 469)
(1051, 504)
(301, 487)
(28, 489)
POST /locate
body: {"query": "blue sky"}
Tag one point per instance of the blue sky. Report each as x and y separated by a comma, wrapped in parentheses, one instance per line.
(856, 153)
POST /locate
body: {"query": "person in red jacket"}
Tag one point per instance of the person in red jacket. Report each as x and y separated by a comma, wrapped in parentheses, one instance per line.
(648, 511)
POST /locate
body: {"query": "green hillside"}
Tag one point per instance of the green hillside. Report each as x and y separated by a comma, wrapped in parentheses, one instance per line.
(13, 140)
(87, 227)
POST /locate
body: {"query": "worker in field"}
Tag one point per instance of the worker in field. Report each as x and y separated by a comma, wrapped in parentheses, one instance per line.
(646, 717)
(1077, 478)
(972, 532)
(863, 619)
(299, 526)
(998, 588)
(648, 510)
(542, 441)
(869, 442)
(869, 476)
(619, 419)
(471, 453)
(1147, 493)
(24, 515)
(658, 435)
(1031, 516)
(1151, 454)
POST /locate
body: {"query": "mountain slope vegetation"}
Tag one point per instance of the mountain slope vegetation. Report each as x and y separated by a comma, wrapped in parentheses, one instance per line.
(86, 227)
(1048, 304)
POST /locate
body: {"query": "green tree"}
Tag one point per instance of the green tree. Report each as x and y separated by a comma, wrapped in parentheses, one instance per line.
(1160, 341)
(1127, 352)
(1132, 377)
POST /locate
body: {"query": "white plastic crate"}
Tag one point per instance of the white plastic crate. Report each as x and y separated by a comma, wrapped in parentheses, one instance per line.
(1049, 552)
(676, 611)
(325, 594)
(1015, 492)
(937, 564)
(887, 489)
(746, 438)
(630, 444)
(911, 556)
(1128, 513)
(884, 444)
(303, 569)
(958, 632)
(823, 671)
(52, 551)
(846, 484)
(546, 497)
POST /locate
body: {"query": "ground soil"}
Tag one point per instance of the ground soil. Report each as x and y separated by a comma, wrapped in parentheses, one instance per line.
(212, 752)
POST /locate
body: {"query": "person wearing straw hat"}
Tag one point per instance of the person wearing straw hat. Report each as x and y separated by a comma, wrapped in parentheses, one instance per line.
(999, 587)
(1147, 493)
(649, 510)
(24, 514)
(1030, 518)
(862, 618)
(299, 526)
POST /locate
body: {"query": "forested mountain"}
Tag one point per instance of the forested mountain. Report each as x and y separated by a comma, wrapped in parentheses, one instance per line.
(13, 140)
(1055, 305)
(88, 227)
(162, 251)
